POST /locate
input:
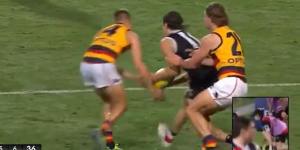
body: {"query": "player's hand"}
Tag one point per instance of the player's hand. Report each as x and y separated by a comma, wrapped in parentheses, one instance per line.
(157, 94)
(208, 62)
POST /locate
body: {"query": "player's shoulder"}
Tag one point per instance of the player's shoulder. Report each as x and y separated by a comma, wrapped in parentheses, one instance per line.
(211, 39)
(166, 39)
(212, 36)
(132, 35)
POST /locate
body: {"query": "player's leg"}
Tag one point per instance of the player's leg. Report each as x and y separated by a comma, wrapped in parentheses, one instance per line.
(215, 98)
(268, 137)
(118, 103)
(220, 134)
(108, 84)
(216, 132)
(179, 120)
(167, 134)
(106, 112)
(114, 106)
(106, 126)
(203, 102)
(181, 117)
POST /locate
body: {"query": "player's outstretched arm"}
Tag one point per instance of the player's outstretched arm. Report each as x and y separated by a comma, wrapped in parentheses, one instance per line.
(138, 63)
(128, 75)
(137, 54)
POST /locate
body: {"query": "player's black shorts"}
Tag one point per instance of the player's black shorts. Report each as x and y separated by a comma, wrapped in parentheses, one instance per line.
(281, 138)
(200, 79)
(192, 93)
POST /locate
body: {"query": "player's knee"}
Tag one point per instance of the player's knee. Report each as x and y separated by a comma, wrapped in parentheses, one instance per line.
(190, 110)
(207, 117)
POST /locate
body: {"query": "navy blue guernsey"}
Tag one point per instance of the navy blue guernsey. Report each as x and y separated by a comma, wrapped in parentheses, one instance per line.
(202, 77)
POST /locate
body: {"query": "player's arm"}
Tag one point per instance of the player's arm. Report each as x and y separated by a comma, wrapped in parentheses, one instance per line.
(208, 61)
(128, 75)
(208, 43)
(168, 50)
(137, 56)
(140, 66)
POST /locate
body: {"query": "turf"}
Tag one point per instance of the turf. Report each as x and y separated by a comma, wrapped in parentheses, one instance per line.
(42, 42)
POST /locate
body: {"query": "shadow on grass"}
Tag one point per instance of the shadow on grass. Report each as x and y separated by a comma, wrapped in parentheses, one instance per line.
(46, 8)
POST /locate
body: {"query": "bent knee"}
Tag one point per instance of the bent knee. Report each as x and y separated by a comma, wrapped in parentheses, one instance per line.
(190, 110)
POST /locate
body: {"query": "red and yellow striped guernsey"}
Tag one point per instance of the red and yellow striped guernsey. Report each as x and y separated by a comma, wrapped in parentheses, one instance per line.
(107, 44)
(229, 56)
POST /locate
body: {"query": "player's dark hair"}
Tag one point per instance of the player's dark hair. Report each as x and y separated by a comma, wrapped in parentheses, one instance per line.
(173, 20)
(121, 14)
(239, 123)
(258, 112)
(216, 12)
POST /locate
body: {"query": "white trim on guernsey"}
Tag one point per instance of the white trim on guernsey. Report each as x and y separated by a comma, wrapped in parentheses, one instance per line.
(25, 92)
(197, 40)
(191, 41)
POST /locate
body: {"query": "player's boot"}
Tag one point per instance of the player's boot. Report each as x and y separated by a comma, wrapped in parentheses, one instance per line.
(117, 147)
(209, 143)
(228, 139)
(165, 135)
(96, 137)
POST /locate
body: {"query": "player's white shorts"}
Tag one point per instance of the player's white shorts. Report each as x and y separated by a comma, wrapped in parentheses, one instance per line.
(223, 90)
(99, 75)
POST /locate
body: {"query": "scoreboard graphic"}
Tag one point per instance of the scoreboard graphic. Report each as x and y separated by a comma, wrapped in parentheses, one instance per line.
(20, 146)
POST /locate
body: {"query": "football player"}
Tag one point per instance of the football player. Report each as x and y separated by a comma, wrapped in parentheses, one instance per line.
(98, 70)
(178, 42)
(224, 46)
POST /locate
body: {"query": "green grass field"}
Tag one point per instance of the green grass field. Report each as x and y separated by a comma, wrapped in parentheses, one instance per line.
(42, 42)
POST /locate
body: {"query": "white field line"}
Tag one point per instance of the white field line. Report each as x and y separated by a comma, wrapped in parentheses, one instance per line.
(25, 92)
